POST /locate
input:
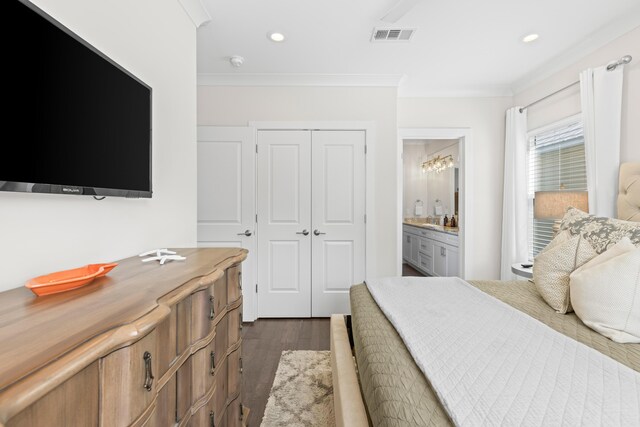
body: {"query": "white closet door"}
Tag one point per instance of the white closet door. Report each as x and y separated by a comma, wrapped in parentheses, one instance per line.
(338, 248)
(226, 197)
(284, 223)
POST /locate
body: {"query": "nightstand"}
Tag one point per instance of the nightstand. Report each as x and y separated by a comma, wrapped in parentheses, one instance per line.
(519, 270)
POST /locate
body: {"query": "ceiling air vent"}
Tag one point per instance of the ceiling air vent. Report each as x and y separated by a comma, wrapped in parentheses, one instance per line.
(392, 34)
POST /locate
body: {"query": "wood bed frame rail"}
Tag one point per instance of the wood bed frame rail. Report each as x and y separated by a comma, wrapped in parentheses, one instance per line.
(348, 404)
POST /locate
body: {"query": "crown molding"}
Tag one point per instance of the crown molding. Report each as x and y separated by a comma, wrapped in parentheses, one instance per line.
(588, 45)
(245, 79)
(196, 10)
(489, 91)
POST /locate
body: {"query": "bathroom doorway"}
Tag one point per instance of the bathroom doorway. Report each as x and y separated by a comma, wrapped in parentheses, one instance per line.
(431, 211)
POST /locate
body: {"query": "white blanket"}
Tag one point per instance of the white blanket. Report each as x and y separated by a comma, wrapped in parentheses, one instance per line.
(491, 364)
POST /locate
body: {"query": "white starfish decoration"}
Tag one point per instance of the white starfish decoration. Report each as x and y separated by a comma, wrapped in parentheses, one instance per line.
(162, 255)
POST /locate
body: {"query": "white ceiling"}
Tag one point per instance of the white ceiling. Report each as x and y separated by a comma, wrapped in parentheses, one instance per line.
(461, 47)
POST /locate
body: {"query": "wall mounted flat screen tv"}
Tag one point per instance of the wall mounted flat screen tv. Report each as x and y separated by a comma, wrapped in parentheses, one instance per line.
(81, 124)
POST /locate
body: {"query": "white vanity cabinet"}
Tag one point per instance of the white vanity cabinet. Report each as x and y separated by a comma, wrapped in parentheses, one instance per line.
(415, 249)
(445, 260)
(406, 246)
(432, 252)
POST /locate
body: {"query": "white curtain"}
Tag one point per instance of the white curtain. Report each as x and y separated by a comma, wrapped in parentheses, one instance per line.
(514, 200)
(601, 99)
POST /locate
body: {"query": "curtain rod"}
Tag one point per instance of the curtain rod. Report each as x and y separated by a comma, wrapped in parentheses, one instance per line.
(610, 67)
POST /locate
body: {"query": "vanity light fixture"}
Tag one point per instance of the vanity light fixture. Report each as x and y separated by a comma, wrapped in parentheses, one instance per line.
(437, 164)
(276, 37)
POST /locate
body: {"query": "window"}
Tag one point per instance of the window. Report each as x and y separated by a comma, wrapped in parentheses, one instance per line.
(556, 162)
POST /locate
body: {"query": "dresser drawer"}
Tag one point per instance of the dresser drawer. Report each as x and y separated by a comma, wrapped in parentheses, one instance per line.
(73, 403)
(206, 305)
(165, 412)
(128, 381)
(235, 372)
(205, 416)
(234, 283)
(202, 313)
(204, 362)
(234, 414)
(184, 388)
(222, 383)
(235, 326)
(221, 339)
(174, 335)
(220, 294)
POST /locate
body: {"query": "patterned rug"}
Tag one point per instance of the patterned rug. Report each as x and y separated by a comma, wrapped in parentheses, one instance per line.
(302, 392)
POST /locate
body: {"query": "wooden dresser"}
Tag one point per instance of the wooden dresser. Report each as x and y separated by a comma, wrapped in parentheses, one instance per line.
(148, 345)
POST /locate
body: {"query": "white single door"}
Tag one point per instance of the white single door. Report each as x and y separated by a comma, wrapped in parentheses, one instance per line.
(338, 215)
(226, 198)
(284, 222)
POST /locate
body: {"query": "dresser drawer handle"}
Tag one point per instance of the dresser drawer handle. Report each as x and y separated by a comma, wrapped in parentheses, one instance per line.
(148, 380)
(241, 411)
(212, 419)
(240, 280)
(240, 322)
(241, 365)
(213, 363)
(212, 312)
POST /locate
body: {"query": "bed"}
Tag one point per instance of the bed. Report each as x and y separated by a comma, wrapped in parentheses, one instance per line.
(385, 386)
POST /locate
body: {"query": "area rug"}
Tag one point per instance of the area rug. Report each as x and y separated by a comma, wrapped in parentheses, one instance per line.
(302, 392)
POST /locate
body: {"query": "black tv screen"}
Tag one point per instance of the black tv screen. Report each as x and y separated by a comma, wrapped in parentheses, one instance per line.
(82, 123)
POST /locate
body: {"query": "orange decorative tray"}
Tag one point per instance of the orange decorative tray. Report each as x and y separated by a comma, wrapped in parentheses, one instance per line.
(61, 281)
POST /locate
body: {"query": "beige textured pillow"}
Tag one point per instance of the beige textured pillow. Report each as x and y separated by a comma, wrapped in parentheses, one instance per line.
(554, 264)
(606, 294)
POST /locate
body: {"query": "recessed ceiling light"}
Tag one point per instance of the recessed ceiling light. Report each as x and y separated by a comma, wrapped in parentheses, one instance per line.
(530, 37)
(276, 37)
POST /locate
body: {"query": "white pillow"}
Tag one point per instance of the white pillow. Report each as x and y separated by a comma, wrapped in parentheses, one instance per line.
(622, 247)
(605, 293)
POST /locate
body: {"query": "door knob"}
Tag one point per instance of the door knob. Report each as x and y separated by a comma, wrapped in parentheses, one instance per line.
(246, 233)
(317, 233)
(304, 232)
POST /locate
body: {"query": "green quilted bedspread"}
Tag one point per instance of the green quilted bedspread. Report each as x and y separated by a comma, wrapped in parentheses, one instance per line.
(397, 393)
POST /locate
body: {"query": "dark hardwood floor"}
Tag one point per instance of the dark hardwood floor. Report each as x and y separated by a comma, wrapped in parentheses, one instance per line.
(407, 270)
(263, 342)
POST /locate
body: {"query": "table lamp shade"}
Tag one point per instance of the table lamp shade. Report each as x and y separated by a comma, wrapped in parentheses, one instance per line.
(554, 204)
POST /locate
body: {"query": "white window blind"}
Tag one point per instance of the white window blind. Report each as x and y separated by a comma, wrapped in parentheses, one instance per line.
(556, 162)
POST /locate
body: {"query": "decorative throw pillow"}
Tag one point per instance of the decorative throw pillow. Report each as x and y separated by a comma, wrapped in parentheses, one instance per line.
(601, 232)
(554, 264)
(622, 247)
(589, 236)
(605, 293)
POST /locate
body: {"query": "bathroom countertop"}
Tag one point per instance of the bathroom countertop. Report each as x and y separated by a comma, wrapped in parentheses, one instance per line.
(439, 228)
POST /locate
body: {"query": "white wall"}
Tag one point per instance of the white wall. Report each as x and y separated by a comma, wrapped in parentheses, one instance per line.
(485, 118)
(568, 103)
(414, 181)
(39, 234)
(236, 106)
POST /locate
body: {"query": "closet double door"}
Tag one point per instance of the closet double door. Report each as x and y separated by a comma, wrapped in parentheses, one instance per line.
(311, 221)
